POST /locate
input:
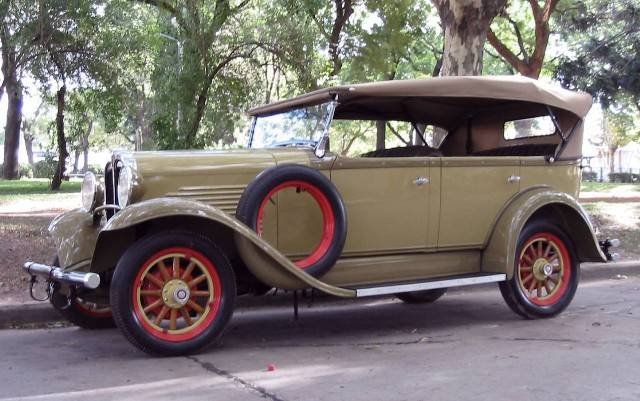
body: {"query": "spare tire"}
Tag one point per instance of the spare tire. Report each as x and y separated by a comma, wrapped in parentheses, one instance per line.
(252, 203)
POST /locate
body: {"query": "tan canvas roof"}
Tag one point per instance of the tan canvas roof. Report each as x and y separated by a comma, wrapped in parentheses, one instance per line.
(482, 89)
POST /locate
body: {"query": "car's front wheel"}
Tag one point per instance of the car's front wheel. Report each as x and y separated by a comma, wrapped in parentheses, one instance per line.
(546, 272)
(172, 293)
(83, 314)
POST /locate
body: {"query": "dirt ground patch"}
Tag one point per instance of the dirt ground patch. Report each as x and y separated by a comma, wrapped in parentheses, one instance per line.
(23, 237)
(618, 220)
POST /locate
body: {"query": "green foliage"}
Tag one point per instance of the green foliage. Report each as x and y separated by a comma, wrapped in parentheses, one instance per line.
(45, 168)
(604, 38)
(24, 171)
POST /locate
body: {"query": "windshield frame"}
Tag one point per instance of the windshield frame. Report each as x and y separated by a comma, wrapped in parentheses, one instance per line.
(333, 104)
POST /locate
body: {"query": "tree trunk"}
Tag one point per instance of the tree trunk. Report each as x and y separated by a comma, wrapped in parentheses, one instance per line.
(197, 118)
(28, 146)
(76, 158)
(56, 182)
(381, 127)
(12, 129)
(465, 24)
(85, 147)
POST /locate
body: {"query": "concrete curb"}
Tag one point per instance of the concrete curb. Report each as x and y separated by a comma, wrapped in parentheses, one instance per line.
(43, 313)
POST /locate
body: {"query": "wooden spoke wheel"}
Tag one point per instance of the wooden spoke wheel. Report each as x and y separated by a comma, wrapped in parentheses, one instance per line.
(172, 293)
(176, 294)
(546, 272)
(543, 273)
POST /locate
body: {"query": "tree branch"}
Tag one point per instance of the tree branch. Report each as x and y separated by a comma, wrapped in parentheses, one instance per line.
(504, 51)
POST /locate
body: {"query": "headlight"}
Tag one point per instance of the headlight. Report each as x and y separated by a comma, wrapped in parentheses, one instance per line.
(92, 192)
(125, 185)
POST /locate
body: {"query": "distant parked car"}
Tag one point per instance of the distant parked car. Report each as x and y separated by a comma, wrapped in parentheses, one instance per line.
(482, 188)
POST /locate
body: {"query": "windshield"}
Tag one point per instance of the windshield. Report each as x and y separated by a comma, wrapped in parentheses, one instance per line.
(300, 127)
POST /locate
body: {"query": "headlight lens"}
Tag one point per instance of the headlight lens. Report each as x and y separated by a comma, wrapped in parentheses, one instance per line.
(125, 185)
(89, 191)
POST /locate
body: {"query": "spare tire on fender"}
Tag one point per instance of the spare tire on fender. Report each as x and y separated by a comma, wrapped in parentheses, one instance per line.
(252, 204)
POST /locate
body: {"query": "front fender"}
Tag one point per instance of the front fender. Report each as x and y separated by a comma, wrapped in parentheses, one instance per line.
(500, 247)
(262, 259)
(75, 235)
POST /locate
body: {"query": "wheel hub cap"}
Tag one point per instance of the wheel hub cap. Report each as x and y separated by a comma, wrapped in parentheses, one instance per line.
(542, 269)
(175, 293)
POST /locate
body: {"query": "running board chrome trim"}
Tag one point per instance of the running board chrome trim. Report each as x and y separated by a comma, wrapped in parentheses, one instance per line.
(430, 285)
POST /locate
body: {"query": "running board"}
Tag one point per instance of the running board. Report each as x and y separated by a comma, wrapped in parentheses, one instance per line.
(430, 285)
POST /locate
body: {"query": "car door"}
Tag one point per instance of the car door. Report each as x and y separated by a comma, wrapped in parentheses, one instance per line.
(387, 202)
(473, 191)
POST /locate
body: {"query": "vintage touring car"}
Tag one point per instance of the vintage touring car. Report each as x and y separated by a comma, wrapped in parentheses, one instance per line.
(475, 182)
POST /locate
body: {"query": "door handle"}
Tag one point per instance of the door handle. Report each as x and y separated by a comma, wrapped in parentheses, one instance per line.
(421, 181)
(513, 179)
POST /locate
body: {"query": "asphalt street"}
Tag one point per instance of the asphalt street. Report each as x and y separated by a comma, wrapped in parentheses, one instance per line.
(466, 346)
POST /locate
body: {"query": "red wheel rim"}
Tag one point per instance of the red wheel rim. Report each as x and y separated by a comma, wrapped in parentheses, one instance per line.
(328, 218)
(92, 309)
(176, 294)
(544, 269)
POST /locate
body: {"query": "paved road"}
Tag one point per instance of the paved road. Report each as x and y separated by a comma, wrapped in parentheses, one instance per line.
(466, 346)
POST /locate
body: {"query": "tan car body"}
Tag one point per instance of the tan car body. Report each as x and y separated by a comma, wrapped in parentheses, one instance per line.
(465, 220)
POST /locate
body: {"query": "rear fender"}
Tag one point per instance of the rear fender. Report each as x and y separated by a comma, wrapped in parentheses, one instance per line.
(262, 259)
(540, 202)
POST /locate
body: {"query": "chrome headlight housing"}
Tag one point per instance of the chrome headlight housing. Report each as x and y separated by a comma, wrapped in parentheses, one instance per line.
(92, 192)
(125, 185)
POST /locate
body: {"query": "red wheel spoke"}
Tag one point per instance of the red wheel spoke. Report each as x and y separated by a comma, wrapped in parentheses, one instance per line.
(532, 286)
(162, 314)
(547, 250)
(155, 293)
(185, 316)
(526, 268)
(152, 306)
(154, 280)
(200, 293)
(197, 281)
(526, 279)
(539, 290)
(553, 258)
(176, 267)
(540, 253)
(188, 270)
(553, 280)
(527, 257)
(195, 306)
(173, 319)
(163, 271)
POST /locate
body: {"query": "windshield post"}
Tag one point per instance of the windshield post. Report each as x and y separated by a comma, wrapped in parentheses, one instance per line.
(321, 147)
(251, 130)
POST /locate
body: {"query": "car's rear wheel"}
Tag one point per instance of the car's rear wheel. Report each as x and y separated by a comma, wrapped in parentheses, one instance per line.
(172, 293)
(422, 297)
(81, 313)
(546, 272)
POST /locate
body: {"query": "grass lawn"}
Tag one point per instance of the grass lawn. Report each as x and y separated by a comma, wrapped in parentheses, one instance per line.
(609, 186)
(35, 186)
(36, 190)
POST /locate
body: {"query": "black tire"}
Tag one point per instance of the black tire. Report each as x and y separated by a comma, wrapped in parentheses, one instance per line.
(133, 271)
(254, 196)
(515, 291)
(83, 314)
(422, 297)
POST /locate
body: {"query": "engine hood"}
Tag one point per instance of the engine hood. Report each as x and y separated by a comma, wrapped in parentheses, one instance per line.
(217, 178)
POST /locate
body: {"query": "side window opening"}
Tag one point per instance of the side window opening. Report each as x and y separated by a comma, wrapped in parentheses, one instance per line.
(359, 138)
(529, 127)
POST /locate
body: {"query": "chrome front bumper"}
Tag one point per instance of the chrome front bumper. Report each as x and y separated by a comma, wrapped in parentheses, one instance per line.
(53, 273)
